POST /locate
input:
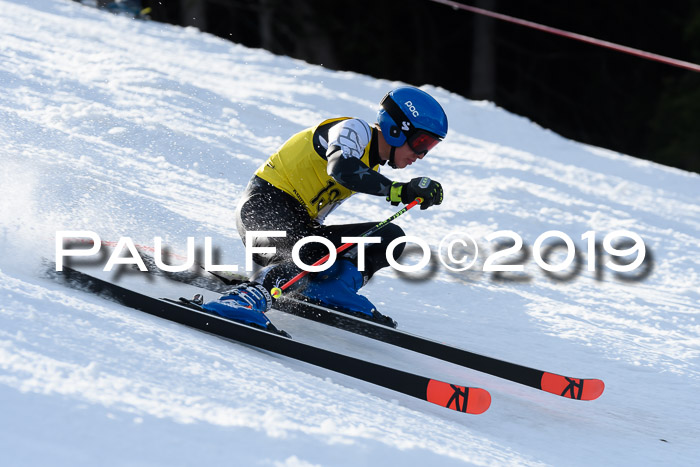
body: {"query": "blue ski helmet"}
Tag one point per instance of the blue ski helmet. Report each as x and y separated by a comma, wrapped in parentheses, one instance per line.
(409, 114)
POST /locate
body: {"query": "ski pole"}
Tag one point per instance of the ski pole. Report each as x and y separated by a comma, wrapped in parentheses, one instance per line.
(276, 292)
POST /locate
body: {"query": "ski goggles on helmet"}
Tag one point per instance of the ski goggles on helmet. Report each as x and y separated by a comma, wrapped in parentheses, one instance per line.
(422, 141)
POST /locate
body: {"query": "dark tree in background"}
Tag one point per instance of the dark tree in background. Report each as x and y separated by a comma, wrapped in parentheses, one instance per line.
(587, 93)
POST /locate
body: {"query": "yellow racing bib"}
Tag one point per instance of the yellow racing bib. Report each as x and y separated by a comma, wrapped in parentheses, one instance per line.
(299, 168)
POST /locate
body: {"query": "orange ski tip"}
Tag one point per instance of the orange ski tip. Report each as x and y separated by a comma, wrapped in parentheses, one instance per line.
(459, 398)
(479, 401)
(594, 390)
(573, 388)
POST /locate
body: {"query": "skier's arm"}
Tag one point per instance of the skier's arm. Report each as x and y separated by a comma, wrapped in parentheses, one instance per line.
(346, 144)
(353, 174)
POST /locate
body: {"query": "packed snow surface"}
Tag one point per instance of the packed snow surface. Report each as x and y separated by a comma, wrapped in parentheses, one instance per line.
(136, 129)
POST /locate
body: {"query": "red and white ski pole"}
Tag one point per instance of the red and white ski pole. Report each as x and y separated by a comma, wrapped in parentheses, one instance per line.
(276, 292)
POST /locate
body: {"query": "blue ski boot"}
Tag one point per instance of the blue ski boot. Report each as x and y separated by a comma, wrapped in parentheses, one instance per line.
(337, 288)
(246, 303)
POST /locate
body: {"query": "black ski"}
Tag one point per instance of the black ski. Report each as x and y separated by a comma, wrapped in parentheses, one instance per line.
(573, 388)
(452, 396)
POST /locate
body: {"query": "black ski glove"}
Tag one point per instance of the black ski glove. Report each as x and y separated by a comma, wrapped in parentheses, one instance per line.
(422, 187)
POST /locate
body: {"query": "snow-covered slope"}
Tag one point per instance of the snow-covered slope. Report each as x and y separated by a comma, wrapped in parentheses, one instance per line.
(128, 128)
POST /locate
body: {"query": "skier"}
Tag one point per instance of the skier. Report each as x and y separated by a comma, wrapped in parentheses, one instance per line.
(319, 168)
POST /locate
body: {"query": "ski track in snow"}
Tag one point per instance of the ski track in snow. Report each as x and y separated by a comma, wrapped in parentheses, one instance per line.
(139, 129)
